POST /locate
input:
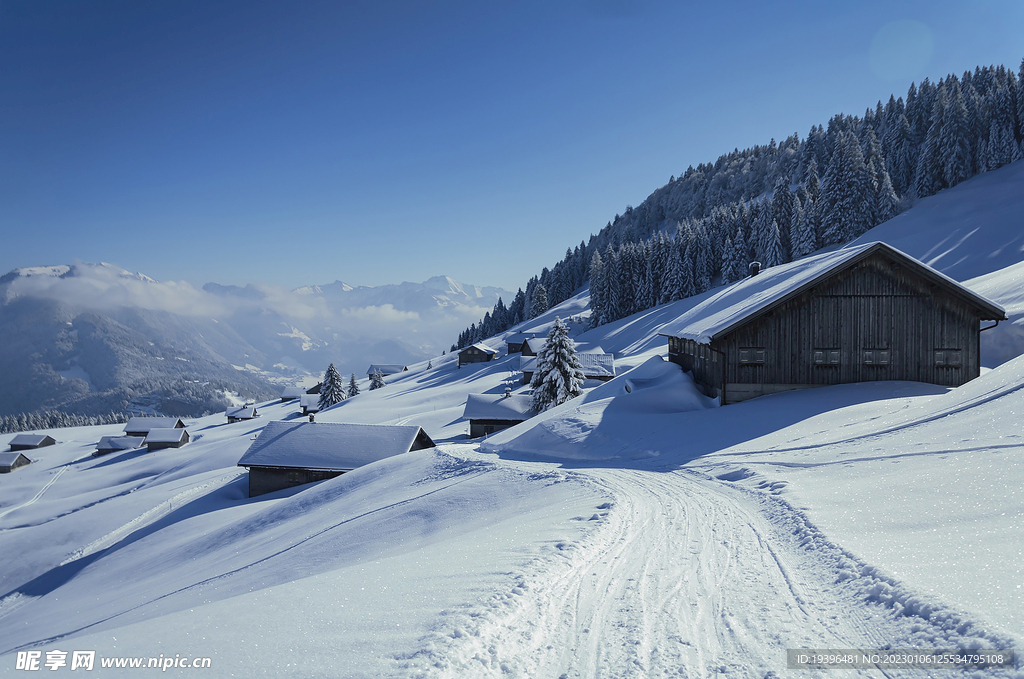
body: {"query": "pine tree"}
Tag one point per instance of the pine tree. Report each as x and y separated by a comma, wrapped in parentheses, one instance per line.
(598, 305)
(559, 376)
(540, 301)
(376, 380)
(430, 364)
(804, 233)
(333, 389)
(353, 388)
(773, 247)
(955, 149)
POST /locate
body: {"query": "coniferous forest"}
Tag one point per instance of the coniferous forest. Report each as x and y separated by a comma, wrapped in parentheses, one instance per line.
(781, 201)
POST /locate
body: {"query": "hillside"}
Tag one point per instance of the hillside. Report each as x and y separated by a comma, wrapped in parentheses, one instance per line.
(636, 530)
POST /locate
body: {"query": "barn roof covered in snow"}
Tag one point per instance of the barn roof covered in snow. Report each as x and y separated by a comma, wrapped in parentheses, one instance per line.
(166, 435)
(597, 365)
(310, 402)
(482, 347)
(9, 459)
(31, 440)
(292, 392)
(144, 424)
(328, 445)
(386, 368)
(241, 412)
(120, 442)
(755, 295)
(498, 407)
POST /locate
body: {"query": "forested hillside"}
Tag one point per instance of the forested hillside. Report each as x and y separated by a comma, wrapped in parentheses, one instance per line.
(781, 201)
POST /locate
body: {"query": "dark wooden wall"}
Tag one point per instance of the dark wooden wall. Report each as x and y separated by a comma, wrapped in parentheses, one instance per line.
(875, 321)
(268, 479)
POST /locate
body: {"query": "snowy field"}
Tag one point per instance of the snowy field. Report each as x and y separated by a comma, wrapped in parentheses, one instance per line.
(638, 531)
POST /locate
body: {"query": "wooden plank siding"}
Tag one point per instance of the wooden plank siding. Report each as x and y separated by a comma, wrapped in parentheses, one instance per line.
(877, 320)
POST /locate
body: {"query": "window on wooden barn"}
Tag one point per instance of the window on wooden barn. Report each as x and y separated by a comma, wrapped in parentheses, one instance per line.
(948, 358)
(752, 355)
(876, 357)
(826, 357)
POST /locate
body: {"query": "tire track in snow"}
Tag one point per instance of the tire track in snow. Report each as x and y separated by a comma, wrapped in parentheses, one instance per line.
(686, 576)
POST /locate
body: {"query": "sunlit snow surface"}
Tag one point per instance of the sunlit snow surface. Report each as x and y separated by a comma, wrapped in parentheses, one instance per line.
(637, 531)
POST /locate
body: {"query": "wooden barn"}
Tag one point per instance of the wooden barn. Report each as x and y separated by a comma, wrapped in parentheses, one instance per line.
(140, 426)
(167, 437)
(241, 413)
(514, 342)
(291, 393)
(532, 345)
(290, 454)
(11, 461)
(488, 413)
(386, 369)
(112, 444)
(859, 314)
(31, 441)
(476, 353)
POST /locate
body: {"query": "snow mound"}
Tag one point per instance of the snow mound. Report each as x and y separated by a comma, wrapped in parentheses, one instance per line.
(603, 424)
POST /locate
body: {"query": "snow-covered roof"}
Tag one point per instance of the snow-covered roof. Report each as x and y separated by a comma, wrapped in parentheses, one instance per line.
(120, 442)
(597, 365)
(9, 458)
(482, 347)
(527, 364)
(292, 392)
(165, 435)
(386, 368)
(310, 402)
(536, 343)
(733, 306)
(327, 445)
(498, 407)
(241, 412)
(144, 424)
(518, 337)
(28, 439)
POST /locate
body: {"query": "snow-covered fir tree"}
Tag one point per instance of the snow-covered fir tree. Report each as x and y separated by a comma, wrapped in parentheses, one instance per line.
(353, 387)
(376, 379)
(559, 375)
(540, 301)
(332, 390)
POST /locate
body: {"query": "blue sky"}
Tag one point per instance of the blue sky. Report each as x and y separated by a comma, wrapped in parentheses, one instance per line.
(376, 142)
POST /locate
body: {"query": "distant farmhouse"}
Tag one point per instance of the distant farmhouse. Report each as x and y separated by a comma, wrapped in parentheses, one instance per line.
(111, 444)
(488, 413)
(31, 441)
(858, 314)
(241, 413)
(170, 437)
(140, 426)
(11, 461)
(514, 342)
(476, 353)
(387, 369)
(290, 454)
(291, 393)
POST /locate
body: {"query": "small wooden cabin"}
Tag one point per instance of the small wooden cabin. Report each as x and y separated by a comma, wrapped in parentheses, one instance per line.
(488, 413)
(31, 441)
(241, 413)
(387, 369)
(111, 444)
(858, 314)
(476, 353)
(596, 366)
(291, 393)
(533, 345)
(11, 461)
(140, 426)
(290, 454)
(514, 342)
(169, 437)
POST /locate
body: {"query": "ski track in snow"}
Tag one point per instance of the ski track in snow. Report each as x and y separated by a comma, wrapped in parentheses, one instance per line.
(686, 576)
(38, 495)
